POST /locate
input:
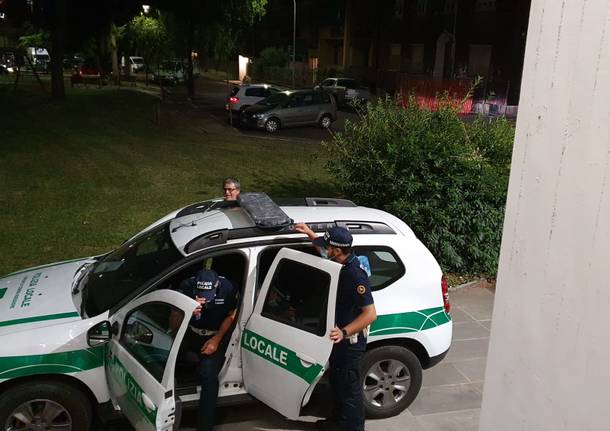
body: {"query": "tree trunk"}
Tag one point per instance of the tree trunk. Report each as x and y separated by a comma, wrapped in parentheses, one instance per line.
(114, 55)
(58, 89)
(190, 83)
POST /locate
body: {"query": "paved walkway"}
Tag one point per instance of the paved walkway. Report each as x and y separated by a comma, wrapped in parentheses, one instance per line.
(450, 397)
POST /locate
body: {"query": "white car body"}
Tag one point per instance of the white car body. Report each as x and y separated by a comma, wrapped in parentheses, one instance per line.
(46, 329)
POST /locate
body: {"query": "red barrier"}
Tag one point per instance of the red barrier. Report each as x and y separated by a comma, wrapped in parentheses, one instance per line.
(428, 92)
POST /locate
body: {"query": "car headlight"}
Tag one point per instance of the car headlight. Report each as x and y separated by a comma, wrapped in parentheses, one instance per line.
(258, 116)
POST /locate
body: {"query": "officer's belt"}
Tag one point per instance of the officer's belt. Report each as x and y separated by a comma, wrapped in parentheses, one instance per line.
(203, 332)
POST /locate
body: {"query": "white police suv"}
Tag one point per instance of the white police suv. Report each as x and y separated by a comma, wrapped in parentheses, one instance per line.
(93, 336)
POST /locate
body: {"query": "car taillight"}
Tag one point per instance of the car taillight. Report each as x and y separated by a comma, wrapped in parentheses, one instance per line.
(445, 291)
(233, 99)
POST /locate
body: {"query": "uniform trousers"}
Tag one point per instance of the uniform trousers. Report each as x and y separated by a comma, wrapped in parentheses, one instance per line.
(348, 405)
(209, 367)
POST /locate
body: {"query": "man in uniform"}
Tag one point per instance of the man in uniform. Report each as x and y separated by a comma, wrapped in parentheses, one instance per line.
(212, 318)
(354, 312)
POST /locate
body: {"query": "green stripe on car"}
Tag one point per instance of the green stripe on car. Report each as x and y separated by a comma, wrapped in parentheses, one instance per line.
(51, 363)
(279, 355)
(39, 318)
(415, 321)
(134, 392)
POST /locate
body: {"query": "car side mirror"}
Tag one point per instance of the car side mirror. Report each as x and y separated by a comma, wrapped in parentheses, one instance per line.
(99, 334)
(139, 332)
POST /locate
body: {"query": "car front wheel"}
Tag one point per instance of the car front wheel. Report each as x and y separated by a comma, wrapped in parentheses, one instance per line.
(272, 125)
(391, 379)
(45, 405)
(326, 121)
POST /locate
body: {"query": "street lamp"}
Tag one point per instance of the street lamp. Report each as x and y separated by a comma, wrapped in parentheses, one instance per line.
(294, 38)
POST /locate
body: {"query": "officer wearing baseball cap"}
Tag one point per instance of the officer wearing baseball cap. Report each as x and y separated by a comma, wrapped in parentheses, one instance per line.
(211, 320)
(354, 312)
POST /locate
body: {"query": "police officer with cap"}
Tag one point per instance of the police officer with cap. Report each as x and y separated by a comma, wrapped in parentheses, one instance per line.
(212, 318)
(354, 312)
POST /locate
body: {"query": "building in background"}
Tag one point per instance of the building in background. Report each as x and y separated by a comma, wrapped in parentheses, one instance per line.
(389, 43)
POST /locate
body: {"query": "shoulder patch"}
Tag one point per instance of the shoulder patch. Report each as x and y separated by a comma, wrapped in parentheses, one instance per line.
(361, 289)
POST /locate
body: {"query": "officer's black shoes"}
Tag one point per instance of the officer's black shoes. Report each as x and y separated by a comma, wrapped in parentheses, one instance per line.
(328, 425)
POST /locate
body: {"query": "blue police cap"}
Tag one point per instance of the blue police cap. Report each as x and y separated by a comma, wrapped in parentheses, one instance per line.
(336, 237)
(206, 282)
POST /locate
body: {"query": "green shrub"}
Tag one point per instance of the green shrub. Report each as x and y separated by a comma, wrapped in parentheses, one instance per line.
(446, 179)
(270, 57)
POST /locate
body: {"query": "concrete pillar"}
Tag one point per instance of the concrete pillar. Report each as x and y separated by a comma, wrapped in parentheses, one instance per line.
(549, 356)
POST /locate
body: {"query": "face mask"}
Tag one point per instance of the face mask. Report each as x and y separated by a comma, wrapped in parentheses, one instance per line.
(323, 253)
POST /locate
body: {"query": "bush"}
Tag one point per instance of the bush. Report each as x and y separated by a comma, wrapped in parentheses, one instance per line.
(269, 58)
(445, 178)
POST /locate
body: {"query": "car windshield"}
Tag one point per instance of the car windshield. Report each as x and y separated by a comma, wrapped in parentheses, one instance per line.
(137, 60)
(122, 271)
(274, 99)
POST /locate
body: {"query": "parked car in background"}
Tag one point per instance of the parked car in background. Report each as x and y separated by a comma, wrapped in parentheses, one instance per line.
(169, 72)
(345, 90)
(87, 72)
(243, 96)
(135, 64)
(291, 108)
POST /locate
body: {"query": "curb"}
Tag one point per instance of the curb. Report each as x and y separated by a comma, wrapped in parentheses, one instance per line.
(481, 282)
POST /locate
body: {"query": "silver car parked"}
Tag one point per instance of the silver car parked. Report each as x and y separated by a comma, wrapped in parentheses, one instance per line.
(291, 108)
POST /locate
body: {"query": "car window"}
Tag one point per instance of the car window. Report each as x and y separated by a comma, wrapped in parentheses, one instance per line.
(348, 83)
(234, 91)
(328, 82)
(274, 100)
(257, 92)
(122, 271)
(148, 334)
(384, 263)
(321, 97)
(298, 297)
(308, 99)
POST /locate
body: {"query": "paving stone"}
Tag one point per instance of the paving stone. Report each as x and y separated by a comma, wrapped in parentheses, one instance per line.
(457, 315)
(468, 349)
(486, 323)
(467, 420)
(403, 422)
(473, 369)
(439, 399)
(443, 374)
(469, 330)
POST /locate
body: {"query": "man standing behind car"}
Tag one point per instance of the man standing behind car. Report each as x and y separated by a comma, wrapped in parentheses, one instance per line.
(230, 189)
(354, 311)
(212, 318)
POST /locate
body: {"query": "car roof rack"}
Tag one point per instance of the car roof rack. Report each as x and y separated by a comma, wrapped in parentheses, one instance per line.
(265, 213)
(314, 202)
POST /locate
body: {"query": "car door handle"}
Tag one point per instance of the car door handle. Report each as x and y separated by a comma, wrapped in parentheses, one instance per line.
(306, 359)
(148, 402)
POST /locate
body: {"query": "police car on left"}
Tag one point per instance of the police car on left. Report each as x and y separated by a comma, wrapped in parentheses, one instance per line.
(95, 336)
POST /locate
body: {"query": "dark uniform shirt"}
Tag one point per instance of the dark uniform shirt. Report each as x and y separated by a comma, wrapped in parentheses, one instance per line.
(353, 294)
(219, 302)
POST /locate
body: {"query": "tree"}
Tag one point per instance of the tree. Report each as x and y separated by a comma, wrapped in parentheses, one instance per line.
(150, 38)
(207, 25)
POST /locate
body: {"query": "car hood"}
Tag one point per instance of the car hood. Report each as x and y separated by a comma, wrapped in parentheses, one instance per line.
(38, 296)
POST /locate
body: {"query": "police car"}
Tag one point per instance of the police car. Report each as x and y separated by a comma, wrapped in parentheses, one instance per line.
(93, 336)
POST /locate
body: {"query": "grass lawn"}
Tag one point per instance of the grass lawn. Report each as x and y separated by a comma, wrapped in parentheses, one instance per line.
(79, 177)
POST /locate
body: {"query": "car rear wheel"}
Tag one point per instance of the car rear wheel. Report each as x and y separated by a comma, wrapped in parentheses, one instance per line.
(45, 405)
(272, 125)
(391, 379)
(326, 121)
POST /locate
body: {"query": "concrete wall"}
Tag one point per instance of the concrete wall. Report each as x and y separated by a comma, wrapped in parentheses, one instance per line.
(549, 356)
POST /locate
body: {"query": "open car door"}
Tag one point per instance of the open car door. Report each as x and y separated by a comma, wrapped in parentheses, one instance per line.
(285, 344)
(146, 336)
